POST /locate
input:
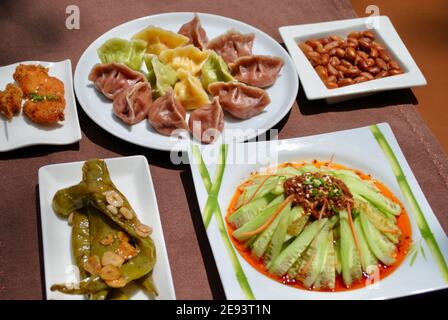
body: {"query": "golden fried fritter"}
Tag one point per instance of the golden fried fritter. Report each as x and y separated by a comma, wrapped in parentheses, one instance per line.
(44, 112)
(10, 100)
(45, 94)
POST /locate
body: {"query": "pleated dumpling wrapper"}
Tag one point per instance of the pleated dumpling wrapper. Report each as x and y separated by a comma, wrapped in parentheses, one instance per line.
(215, 70)
(240, 100)
(112, 78)
(161, 76)
(132, 104)
(189, 91)
(159, 39)
(166, 115)
(207, 122)
(194, 31)
(188, 58)
(259, 71)
(118, 50)
(232, 45)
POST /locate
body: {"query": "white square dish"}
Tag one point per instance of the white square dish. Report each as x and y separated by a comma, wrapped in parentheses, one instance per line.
(358, 149)
(386, 35)
(21, 132)
(132, 177)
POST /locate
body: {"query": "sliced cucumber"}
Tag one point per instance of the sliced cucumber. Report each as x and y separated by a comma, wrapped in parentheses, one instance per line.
(260, 246)
(279, 235)
(370, 192)
(313, 259)
(258, 220)
(296, 227)
(367, 257)
(350, 260)
(327, 277)
(381, 247)
(248, 211)
(290, 254)
(380, 221)
(279, 187)
(337, 249)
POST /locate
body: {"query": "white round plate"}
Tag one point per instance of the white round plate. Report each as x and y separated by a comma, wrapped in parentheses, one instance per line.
(99, 109)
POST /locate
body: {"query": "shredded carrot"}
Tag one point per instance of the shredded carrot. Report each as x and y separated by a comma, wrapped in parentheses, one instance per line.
(271, 218)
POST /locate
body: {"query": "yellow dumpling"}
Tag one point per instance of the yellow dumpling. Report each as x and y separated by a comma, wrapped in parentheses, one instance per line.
(188, 58)
(159, 39)
(189, 91)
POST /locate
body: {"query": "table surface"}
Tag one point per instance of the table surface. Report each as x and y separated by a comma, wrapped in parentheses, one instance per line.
(34, 30)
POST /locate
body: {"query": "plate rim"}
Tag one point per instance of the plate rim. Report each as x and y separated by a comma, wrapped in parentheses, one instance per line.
(183, 147)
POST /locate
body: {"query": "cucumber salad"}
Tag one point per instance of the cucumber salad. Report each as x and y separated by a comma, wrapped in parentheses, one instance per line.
(319, 226)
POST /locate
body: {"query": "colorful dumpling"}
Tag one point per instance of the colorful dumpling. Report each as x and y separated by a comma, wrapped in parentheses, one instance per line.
(259, 71)
(188, 58)
(240, 100)
(132, 104)
(112, 78)
(167, 115)
(215, 70)
(161, 76)
(194, 31)
(122, 51)
(159, 39)
(232, 45)
(189, 91)
(207, 122)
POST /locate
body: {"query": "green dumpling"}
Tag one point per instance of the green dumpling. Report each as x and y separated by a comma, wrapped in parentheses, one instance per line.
(122, 51)
(215, 70)
(161, 76)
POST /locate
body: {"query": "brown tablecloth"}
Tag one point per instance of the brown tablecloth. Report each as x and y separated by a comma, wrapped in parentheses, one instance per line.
(35, 30)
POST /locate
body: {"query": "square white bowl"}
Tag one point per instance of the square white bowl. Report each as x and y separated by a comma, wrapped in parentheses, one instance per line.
(355, 148)
(21, 132)
(132, 177)
(386, 35)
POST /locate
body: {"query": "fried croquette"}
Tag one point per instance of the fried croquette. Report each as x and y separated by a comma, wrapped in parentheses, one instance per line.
(10, 100)
(44, 94)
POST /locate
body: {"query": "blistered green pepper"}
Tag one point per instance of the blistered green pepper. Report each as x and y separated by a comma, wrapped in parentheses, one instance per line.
(92, 191)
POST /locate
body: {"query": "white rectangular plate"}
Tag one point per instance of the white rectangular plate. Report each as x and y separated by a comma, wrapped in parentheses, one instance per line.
(386, 35)
(132, 177)
(356, 148)
(21, 132)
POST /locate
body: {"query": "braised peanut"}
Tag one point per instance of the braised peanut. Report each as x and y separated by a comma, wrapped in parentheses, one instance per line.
(305, 47)
(334, 61)
(352, 72)
(382, 64)
(394, 72)
(332, 70)
(364, 45)
(322, 72)
(368, 34)
(355, 34)
(360, 79)
(345, 82)
(393, 64)
(340, 53)
(358, 58)
(332, 45)
(350, 54)
(381, 74)
(325, 58)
